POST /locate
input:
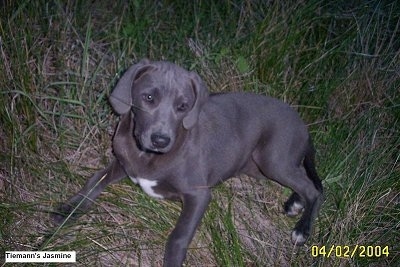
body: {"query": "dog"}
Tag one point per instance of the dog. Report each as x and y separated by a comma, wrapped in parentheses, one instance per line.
(177, 141)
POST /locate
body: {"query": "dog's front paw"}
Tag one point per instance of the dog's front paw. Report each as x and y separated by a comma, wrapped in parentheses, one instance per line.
(63, 213)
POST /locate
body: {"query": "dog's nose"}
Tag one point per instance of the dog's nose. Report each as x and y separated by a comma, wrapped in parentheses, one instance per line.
(160, 140)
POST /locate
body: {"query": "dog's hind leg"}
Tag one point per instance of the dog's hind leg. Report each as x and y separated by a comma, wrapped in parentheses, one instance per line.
(306, 196)
(312, 203)
(294, 205)
(81, 202)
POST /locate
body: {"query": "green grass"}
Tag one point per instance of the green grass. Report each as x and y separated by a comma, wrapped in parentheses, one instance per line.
(337, 62)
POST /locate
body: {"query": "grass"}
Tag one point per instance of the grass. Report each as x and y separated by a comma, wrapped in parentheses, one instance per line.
(336, 62)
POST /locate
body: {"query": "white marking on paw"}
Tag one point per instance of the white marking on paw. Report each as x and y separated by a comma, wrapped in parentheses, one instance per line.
(298, 238)
(147, 186)
(295, 209)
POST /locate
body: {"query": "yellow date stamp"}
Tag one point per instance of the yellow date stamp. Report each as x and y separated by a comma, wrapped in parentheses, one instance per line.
(343, 251)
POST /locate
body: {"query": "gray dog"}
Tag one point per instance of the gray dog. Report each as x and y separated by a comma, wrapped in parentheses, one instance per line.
(176, 141)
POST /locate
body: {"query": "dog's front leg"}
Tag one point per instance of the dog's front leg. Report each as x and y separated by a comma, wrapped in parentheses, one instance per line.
(80, 202)
(194, 207)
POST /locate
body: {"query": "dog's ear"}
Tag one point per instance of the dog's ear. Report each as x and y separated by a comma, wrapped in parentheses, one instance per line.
(121, 97)
(201, 96)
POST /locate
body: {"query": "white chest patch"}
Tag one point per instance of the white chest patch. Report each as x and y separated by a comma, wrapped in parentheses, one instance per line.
(147, 186)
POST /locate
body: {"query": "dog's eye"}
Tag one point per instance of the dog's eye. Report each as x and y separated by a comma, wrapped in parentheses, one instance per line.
(182, 107)
(148, 98)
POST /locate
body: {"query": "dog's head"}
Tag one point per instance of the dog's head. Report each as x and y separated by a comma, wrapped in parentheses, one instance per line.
(165, 100)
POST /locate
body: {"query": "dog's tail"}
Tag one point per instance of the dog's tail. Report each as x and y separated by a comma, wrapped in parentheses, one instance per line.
(309, 165)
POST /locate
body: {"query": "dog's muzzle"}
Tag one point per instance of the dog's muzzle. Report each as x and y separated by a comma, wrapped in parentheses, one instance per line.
(159, 140)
